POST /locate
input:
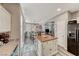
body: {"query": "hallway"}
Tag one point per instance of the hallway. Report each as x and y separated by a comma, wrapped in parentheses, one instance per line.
(29, 48)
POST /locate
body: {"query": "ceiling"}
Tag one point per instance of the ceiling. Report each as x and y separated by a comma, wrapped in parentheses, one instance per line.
(42, 12)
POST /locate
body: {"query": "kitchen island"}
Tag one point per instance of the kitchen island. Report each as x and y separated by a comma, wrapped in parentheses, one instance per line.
(46, 45)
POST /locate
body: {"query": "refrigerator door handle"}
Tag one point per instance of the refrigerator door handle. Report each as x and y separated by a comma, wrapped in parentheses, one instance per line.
(76, 35)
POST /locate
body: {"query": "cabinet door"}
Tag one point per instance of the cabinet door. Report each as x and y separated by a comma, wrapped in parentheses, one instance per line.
(49, 47)
(53, 47)
(45, 49)
(61, 33)
(5, 20)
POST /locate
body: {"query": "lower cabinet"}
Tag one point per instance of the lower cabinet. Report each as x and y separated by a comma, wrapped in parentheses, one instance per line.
(47, 48)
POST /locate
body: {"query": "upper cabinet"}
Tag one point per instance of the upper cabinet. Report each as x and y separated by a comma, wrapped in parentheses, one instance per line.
(75, 16)
(5, 20)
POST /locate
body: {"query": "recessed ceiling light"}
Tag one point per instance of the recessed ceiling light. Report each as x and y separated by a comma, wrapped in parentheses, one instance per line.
(58, 9)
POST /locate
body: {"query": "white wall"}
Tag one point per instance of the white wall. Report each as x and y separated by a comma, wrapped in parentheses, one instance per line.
(27, 27)
(61, 29)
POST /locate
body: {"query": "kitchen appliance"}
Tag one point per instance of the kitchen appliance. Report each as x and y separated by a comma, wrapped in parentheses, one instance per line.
(47, 31)
(73, 37)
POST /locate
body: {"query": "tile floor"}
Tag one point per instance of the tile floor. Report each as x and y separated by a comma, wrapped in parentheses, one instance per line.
(29, 50)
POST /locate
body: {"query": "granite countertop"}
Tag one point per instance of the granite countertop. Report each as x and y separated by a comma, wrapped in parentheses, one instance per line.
(44, 37)
(7, 49)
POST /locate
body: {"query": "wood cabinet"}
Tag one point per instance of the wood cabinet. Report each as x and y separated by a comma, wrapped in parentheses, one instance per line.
(5, 20)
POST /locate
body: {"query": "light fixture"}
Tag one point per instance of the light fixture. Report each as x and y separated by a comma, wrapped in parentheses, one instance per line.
(58, 9)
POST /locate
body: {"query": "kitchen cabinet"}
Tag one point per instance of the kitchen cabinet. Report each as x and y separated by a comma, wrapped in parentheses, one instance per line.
(49, 48)
(46, 48)
(5, 20)
(77, 19)
(61, 29)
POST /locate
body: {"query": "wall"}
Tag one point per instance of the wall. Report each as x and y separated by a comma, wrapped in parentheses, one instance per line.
(13, 8)
(61, 29)
(28, 27)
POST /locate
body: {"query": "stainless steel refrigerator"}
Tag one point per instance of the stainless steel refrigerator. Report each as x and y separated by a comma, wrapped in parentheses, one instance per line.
(73, 37)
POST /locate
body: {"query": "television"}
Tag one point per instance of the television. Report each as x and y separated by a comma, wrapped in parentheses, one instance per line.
(47, 31)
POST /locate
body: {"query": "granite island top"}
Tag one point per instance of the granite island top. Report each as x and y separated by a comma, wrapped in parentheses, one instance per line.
(7, 49)
(44, 37)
